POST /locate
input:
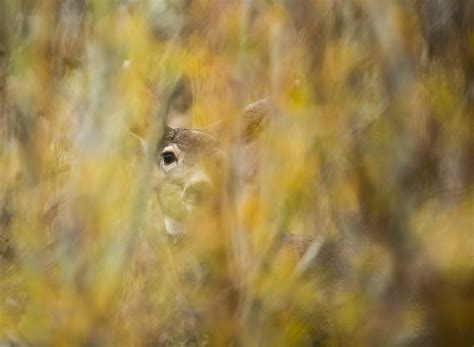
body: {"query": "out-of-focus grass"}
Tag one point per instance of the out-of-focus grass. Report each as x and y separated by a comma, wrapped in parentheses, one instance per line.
(366, 168)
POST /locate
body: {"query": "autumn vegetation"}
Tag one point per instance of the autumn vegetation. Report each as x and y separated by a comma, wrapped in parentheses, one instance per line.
(359, 230)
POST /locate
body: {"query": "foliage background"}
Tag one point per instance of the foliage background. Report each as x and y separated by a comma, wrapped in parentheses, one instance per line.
(369, 162)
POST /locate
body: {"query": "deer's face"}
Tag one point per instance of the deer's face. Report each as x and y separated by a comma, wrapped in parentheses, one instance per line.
(190, 163)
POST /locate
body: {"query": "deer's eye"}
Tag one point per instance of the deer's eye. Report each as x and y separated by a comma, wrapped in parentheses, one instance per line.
(168, 157)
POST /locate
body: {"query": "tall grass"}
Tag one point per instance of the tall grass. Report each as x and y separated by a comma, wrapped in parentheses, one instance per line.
(365, 171)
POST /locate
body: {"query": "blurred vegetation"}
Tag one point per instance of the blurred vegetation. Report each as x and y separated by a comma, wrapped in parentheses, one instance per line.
(367, 166)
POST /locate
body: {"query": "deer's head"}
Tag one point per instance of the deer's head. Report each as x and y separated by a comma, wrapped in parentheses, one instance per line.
(190, 163)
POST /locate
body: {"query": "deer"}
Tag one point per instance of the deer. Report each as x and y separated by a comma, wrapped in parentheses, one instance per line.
(189, 162)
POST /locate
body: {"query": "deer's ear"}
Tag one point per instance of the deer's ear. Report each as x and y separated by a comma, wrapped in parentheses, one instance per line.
(181, 99)
(254, 119)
